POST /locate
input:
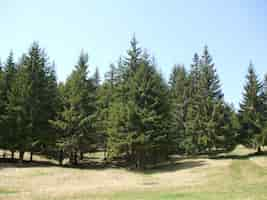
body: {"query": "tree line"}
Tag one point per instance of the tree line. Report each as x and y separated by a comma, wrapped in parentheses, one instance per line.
(134, 114)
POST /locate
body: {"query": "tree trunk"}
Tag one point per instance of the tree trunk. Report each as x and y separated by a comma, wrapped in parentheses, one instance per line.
(31, 156)
(75, 158)
(12, 155)
(259, 150)
(105, 151)
(21, 156)
(81, 156)
(61, 157)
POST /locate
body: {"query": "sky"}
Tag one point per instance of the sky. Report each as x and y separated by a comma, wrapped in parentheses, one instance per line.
(171, 30)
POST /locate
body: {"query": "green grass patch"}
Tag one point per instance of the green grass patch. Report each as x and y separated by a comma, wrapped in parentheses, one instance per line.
(6, 191)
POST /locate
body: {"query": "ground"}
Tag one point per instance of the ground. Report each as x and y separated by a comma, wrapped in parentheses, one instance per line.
(236, 176)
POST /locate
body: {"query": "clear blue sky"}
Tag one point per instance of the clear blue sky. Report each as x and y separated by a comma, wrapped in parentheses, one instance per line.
(235, 31)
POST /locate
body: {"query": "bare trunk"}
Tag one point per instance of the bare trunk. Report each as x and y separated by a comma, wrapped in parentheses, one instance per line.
(61, 157)
(31, 156)
(259, 150)
(21, 156)
(12, 155)
(105, 151)
(75, 158)
(81, 156)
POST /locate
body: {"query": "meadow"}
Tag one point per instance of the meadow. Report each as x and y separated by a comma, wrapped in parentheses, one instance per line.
(236, 175)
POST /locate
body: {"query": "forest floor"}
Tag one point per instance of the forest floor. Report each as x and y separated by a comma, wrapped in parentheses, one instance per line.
(238, 175)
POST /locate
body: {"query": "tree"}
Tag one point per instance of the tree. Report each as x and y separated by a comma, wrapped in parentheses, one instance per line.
(179, 94)
(106, 96)
(10, 71)
(150, 110)
(133, 55)
(42, 97)
(18, 109)
(96, 78)
(2, 105)
(251, 112)
(138, 128)
(77, 120)
(206, 113)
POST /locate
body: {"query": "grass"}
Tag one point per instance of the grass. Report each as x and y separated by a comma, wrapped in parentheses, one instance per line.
(234, 176)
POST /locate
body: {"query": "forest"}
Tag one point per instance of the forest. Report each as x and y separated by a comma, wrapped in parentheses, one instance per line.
(134, 115)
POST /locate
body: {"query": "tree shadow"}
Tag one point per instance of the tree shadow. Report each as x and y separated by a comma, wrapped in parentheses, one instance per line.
(239, 157)
(171, 165)
(14, 163)
(85, 164)
(177, 166)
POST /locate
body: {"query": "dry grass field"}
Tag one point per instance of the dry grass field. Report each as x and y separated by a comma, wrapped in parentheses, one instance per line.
(235, 176)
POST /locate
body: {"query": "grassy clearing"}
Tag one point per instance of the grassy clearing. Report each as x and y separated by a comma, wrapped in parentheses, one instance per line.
(186, 179)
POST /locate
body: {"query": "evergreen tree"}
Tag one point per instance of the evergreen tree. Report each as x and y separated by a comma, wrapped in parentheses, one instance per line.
(77, 120)
(150, 110)
(251, 112)
(42, 97)
(179, 94)
(210, 83)
(133, 55)
(106, 97)
(2, 106)
(206, 110)
(10, 71)
(18, 110)
(96, 78)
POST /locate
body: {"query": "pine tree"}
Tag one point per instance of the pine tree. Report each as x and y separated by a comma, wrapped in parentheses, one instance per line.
(18, 110)
(77, 120)
(2, 106)
(138, 126)
(96, 78)
(42, 97)
(10, 71)
(179, 94)
(150, 111)
(106, 94)
(210, 83)
(206, 110)
(251, 111)
(133, 55)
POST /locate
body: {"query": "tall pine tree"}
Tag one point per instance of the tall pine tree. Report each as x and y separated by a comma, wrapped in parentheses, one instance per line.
(251, 111)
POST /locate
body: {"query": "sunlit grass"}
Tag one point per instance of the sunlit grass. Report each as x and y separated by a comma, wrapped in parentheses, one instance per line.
(243, 178)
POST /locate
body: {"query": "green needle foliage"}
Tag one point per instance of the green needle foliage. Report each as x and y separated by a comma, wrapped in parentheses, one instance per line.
(132, 114)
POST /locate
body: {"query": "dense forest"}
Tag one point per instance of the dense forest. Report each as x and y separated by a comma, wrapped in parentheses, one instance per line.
(134, 114)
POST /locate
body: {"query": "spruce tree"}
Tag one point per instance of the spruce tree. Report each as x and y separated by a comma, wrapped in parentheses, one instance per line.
(42, 97)
(77, 120)
(149, 113)
(251, 111)
(10, 71)
(179, 97)
(2, 106)
(18, 112)
(206, 109)
(138, 128)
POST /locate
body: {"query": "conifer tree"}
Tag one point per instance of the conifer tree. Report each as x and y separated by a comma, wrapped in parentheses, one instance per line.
(251, 112)
(137, 125)
(18, 110)
(10, 71)
(149, 113)
(107, 93)
(2, 106)
(179, 94)
(77, 120)
(42, 97)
